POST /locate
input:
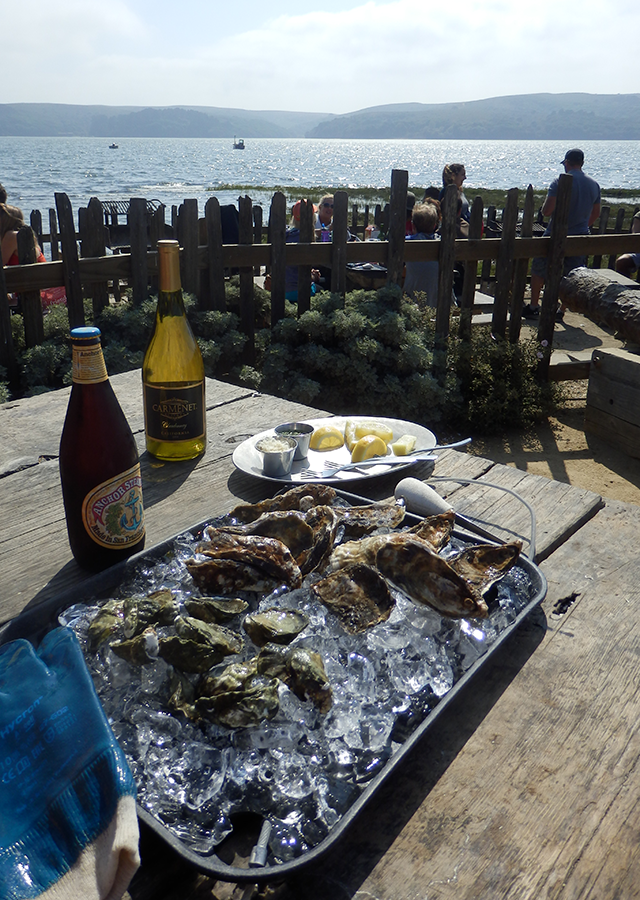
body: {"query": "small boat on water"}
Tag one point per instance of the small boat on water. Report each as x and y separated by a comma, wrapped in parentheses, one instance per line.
(238, 144)
(113, 146)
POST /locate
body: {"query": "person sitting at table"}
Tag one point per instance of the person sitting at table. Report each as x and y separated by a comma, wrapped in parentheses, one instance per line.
(3, 194)
(411, 202)
(11, 221)
(422, 276)
(324, 218)
(291, 272)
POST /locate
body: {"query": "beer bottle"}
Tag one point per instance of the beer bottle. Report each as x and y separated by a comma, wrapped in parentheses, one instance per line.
(173, 371)
(99, 466)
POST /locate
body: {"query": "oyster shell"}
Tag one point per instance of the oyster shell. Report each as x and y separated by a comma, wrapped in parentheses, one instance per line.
(239, 697)
(278, 625)
(357, 594)
(189, 655)
(361, 520)
(483, 564)
(238, 562)
(301, 669)
(324, 522)
(157, 608)
(437, 530)
(105, 623)
(182, 695)
(139, 650)
(215, 609)
(425, 577)
(223, 639)
(288, 526)
(304, 497)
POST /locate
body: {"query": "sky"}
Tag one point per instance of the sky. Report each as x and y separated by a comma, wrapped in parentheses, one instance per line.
(327, 56)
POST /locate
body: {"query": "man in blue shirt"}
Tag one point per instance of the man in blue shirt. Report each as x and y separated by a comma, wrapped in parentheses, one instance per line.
(584, 209)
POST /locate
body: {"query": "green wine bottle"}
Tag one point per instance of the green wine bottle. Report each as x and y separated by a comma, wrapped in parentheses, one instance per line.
(173, 371)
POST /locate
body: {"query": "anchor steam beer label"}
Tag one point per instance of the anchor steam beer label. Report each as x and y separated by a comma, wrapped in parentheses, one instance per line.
(99, 466)
(173, 371)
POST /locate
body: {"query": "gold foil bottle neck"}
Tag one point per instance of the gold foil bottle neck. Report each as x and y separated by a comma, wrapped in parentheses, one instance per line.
(169, 266)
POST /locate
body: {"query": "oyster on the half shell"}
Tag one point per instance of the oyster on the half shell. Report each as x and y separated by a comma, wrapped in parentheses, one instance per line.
(483, 564)
(360, 520)
(357, 594)
(281, 626)
(139, 650)
(301, 669)
(156, 608)
(304, 498)
(437, 530)
(239, 697)
(215, 609)
(105, 623)
(236, 562)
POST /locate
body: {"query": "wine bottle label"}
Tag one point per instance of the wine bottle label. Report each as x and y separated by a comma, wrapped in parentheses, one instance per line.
(113, 513)
(88, 366)
(174, 413)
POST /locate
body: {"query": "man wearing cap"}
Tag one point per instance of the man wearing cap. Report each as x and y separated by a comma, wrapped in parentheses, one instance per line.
(584, 209)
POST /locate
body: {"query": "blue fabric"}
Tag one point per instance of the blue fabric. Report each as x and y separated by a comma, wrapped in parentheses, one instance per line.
(61, 769)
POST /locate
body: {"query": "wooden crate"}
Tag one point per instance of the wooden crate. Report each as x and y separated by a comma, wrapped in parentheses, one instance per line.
(613, 399)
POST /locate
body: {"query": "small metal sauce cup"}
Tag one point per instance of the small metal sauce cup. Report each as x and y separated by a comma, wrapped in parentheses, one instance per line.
(301, 434)
(276, 462)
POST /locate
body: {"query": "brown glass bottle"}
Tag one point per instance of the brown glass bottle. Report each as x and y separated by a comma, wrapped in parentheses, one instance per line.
(99, 466)
(173, 371)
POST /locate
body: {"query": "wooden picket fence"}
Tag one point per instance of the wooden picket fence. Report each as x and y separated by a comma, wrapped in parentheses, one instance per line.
(80, 261)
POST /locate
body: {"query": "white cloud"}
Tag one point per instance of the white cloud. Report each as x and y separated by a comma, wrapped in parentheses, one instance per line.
(326, 59)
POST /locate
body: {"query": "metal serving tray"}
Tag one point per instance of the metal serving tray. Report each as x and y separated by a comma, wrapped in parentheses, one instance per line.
(35, 623)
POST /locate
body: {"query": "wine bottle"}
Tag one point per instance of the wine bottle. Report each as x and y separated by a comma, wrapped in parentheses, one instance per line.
(173, 371)
(99, 465)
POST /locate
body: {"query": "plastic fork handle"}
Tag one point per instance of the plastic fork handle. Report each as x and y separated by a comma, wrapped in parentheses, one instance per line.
(383, 461)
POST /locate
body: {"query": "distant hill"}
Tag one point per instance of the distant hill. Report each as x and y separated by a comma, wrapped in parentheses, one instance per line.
(61, 119)
(522, 117)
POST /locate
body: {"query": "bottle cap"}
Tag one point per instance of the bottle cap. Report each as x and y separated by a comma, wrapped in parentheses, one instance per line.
(85, 333)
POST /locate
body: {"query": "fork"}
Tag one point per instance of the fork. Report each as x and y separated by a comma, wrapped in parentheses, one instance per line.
(332, 468)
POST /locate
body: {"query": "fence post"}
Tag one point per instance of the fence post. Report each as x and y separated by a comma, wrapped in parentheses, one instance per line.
(247, 315)
(490, 231)
(339, 243)
(617, 229)
(91, 225)
(36, 223)
(397, 225)
(257, 231)
(138, 241)
(468, 296)
(555, 260)
(446, 259)
(504, 264)
(602, 229)
(7, 350)
(53, 235)
(521, 269)
(31, 304)
(70, 265)
(188, 237)
(307, 235)
(277, 232)
(216, 299)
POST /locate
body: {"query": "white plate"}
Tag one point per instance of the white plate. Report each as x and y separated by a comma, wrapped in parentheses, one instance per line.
(247, 459)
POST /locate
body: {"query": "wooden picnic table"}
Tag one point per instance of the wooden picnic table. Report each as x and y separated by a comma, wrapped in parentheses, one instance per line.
(527, 787)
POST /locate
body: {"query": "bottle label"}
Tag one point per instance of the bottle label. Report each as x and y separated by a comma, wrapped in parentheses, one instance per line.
(113, 513)
(88, 366)
(174, 413)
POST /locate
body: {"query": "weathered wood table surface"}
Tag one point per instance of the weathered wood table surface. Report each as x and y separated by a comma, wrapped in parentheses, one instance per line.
(527, 788)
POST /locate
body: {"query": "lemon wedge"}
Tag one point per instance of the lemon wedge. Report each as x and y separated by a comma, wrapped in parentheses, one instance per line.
(404, 445)
(350, 434)
(327, 437)
(373, 426)
(368, 446)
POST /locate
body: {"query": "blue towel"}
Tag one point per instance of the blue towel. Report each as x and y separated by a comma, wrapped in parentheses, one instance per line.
(68, 826)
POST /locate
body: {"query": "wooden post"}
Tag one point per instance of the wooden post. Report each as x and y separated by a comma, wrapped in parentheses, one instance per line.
(468, 295)
(53, 235)
(521, 269)
(504, 264)
(7, 350)
(617, 229)
(36, 224)
(188, 230)
(485, 276)
(446, 259)
(257, 231)
(247, 314)
(216, 299)
(555, 260)
(93, 245)
(602, 229)
(397, 223)
(307, 236)
(277, 231)
(70, 265)
(354, 219)
(366, 218)
(377, 216)
(138, 240)
(31, 304)
(339, 243)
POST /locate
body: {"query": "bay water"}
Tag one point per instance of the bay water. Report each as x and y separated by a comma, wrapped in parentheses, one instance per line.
(173, 169)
